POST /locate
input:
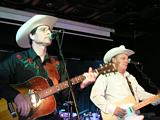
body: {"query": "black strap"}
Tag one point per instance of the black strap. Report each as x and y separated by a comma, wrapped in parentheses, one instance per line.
(130, 86)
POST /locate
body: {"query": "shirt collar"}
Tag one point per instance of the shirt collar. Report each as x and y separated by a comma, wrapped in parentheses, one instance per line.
(126, 74)
(33, 55)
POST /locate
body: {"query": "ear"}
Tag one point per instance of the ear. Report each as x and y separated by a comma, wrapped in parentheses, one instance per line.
(31, 36)
(113, 60)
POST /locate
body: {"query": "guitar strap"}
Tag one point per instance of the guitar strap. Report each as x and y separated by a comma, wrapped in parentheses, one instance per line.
(52, 70)
(130, 86)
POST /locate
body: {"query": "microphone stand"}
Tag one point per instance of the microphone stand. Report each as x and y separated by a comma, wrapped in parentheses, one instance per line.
(68, 79)
(146, 77)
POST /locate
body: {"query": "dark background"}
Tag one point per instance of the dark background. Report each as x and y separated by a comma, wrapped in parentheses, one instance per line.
(136, 24)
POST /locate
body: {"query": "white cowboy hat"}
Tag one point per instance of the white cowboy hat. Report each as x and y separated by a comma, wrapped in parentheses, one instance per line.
(115, 51)
(37, 20)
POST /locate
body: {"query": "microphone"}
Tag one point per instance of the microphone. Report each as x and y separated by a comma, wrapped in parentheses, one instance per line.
(134, 62)
(54, 33)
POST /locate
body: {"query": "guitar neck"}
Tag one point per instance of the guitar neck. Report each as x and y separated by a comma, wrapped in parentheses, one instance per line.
(146, 102)
(61, 86)
(107, 68)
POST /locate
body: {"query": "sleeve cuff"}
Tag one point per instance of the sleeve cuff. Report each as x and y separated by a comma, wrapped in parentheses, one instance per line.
(111, 108)
(8, 92)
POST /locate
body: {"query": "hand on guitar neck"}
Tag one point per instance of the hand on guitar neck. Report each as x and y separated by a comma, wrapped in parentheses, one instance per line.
(89, 78)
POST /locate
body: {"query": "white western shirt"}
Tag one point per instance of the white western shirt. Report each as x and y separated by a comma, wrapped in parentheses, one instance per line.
(113, 87)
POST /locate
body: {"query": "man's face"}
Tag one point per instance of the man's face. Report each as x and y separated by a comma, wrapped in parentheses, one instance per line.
(41, 35)
(121, 62)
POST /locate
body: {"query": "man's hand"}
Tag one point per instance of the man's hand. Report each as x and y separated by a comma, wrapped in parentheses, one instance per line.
(23, 104)
(90, 78)
(119, 112)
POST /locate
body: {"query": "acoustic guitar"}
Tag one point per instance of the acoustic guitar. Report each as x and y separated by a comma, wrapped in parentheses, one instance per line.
(131, 106)
(41, 95)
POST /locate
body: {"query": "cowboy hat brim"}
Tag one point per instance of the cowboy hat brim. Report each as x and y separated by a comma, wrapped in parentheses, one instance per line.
(115, 51)
(22, 35)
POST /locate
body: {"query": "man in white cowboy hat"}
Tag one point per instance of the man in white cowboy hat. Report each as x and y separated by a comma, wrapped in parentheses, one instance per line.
(115, 93)
(26, 65)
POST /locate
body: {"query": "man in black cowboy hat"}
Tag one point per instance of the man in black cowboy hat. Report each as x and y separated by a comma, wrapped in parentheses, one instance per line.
(26, 65)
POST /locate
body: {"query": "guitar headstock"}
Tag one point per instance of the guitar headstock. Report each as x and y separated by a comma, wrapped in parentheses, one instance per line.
(107, 68)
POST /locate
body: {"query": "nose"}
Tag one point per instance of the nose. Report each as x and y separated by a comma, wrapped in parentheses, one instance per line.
(48, 32)
(126, 61)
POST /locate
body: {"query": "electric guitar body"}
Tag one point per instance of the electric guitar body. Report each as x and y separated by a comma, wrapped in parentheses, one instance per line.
(130, 105)
(128, 101)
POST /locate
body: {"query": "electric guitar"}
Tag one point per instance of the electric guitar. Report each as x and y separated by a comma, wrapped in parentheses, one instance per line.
(41, 95)
(131, 106)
